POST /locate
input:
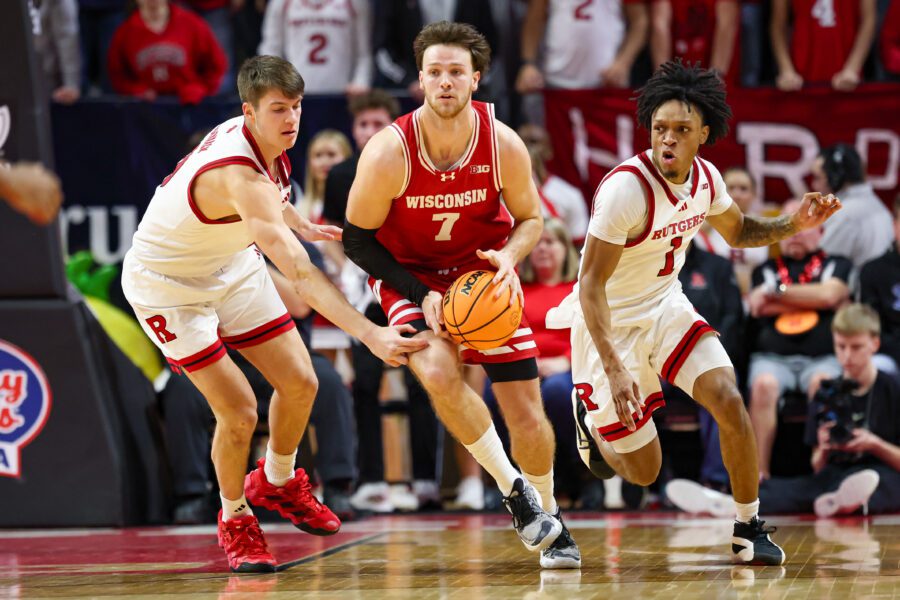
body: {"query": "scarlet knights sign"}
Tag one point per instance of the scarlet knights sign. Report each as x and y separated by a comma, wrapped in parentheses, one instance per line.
(776, 135)
(24, 405)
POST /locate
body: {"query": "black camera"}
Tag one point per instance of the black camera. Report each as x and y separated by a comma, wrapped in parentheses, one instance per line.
(836, 398)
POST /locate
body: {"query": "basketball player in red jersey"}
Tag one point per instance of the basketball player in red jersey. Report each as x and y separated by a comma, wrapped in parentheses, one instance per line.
(425, 208)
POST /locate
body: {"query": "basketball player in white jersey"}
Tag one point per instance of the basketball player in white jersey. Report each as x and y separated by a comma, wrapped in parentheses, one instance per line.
(634, 324)
(195, 280)
(329, 40)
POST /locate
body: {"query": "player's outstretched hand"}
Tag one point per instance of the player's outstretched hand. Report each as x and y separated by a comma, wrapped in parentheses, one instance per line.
(32, 190)
(313, 232)
(506, 274)
(814, 210)
(626, 398)
(434, 314)
(389, 345)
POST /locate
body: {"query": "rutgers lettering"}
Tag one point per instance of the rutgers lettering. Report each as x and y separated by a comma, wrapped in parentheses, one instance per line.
(584, 391)
(158, 324)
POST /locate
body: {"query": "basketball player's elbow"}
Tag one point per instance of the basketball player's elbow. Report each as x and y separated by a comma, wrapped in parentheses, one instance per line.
(358, 244)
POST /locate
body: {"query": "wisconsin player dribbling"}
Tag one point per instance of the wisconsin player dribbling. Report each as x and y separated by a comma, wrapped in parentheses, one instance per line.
(630, 321)
(195, 279)
(424, 209)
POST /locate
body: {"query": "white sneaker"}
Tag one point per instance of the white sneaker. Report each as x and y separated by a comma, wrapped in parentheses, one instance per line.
(854, 491)
(373, 497)
(691, 497)
(469, 494)
(427, 492)
(403, 498)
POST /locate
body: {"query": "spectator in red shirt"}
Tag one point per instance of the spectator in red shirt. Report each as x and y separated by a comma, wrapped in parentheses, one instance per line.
(703, 31)
(548, 275)
(163, 49)
(829, 42)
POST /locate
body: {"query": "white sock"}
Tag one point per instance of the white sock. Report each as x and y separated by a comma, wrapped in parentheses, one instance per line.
(745, 512)
(279, 467)
(234, 509)
(488, 452)
(544, 485)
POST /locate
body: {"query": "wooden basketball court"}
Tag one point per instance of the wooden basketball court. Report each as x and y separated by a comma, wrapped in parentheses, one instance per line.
(625, 555)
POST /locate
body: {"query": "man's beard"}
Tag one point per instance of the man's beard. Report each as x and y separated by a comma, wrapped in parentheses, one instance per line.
(448, 112)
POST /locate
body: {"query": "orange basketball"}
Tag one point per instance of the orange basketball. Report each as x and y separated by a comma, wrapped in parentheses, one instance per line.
(474, 318)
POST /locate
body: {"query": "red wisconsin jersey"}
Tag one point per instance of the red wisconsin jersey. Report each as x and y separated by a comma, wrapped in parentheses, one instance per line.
(440, 218)
(824, 31)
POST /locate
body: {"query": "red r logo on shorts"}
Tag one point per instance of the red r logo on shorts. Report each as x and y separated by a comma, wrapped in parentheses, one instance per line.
(584, 391)
(158, 324)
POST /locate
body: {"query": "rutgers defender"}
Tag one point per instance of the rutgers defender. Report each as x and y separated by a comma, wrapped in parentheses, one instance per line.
(425, 208)
(195, 280)
(634, 322)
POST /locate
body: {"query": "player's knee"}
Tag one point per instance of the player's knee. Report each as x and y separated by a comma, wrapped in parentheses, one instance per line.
(301, 384)
(764, 391)
(643, 474)
(730, 411)
(238, 424)
(440, 379)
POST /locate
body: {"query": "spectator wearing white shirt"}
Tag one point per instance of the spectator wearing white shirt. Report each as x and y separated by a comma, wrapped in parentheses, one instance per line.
(330, 43)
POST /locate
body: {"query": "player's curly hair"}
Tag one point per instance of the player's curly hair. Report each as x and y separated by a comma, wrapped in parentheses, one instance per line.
(697, 87)
(454, 34)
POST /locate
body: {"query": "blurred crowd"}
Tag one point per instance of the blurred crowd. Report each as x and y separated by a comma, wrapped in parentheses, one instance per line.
(775, 308)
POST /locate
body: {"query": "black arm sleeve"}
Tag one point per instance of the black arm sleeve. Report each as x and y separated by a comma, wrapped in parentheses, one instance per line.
(361, 247)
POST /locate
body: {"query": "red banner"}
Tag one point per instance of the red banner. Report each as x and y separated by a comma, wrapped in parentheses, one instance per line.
(776, 135)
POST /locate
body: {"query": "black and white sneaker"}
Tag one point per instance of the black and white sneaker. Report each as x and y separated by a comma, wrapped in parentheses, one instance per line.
(536, 528)
(587, 447)
(563, 553)
(751, 544)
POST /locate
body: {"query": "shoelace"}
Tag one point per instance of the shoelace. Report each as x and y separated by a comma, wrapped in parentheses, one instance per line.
(520, 508)
(247, 537)
(300, 489)
(761, 527)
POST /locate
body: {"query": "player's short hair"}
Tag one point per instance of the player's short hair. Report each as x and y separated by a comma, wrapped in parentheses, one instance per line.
(854, 319)
(842, 165)
(697, 87)
(454, 34)
(260, 74)
(373, 100)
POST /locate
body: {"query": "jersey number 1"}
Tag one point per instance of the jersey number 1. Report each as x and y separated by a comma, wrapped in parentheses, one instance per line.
(670, 258)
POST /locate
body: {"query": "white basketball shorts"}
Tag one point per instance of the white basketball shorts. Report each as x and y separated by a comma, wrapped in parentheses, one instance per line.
(675, 346)
(189, 318)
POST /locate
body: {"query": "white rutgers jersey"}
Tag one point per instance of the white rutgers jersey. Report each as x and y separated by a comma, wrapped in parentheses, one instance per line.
(655, 220)
(174, 237)
(328, 41)
(581, 40)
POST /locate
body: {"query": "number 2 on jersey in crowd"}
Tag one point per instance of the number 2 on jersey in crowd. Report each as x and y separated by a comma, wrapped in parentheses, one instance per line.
(448, 220)
(670, 258)
(580, 14)
(319, 43)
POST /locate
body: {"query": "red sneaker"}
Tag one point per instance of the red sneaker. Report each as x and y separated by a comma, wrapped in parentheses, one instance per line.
(245, 545)
(294, 501)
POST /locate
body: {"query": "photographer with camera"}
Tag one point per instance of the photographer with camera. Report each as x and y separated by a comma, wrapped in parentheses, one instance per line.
(854, 428)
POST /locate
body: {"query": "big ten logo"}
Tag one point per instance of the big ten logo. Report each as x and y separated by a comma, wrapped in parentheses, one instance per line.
(105, 230)
(24, 405)
(760, 139)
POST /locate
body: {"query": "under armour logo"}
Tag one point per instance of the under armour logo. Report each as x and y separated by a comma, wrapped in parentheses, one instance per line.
(448, 176)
